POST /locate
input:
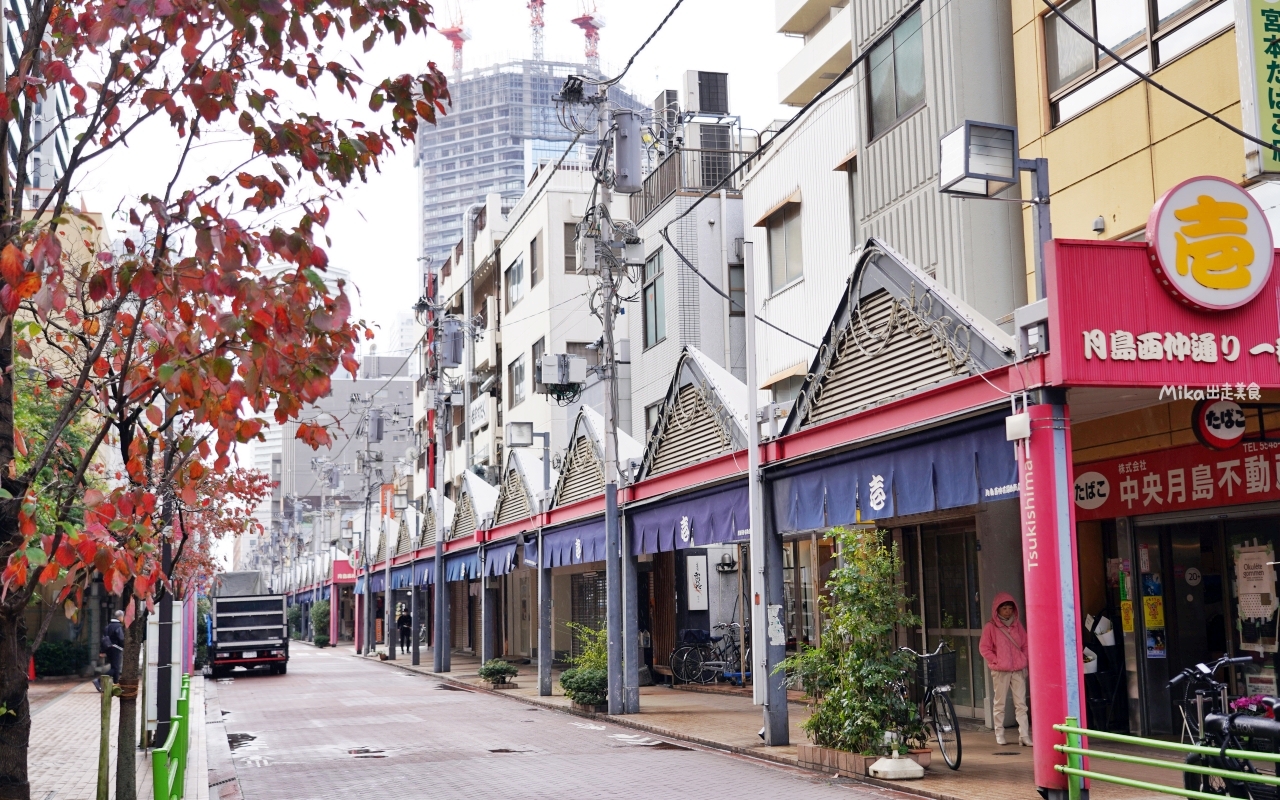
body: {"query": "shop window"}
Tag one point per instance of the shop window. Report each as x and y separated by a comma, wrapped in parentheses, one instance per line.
(1080, 74)
(895, 71)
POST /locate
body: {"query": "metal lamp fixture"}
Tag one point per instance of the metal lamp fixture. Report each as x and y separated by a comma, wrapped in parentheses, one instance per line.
(519, 434)
(978, 159)
(400, 501)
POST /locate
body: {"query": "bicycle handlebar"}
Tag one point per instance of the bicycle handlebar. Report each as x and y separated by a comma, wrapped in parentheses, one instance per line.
(1205, 671)
(941, 645)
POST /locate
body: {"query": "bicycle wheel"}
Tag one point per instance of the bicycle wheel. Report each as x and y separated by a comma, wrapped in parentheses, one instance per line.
(706, 674)
(686, 664)
(945, 726)
(1212, 784)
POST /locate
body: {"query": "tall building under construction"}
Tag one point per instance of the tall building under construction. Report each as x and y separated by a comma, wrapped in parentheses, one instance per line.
(501, 126)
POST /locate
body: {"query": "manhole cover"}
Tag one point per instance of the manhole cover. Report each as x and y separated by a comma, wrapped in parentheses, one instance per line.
(238, 740)
(1008, 753)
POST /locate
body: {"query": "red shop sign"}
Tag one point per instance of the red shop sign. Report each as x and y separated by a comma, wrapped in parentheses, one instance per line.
(1111, 323)
(1178, 479)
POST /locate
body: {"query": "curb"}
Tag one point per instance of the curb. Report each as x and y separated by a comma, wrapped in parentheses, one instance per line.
(224, 783)
(623, 721)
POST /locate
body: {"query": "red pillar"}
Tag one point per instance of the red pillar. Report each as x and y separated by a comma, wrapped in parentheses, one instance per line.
(359, 627)
(335, 610)
(1052, 589)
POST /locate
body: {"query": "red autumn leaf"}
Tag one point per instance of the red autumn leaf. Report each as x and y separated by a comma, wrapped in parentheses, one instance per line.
(93, 497)
(11, 268)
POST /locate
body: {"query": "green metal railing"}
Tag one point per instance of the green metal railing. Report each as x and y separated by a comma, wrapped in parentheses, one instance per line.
(1076, 752)
(169, 763)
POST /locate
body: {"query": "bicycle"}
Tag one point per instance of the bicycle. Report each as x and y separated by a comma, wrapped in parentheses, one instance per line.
(936, 673)
(1234, 731)
(701, 657)
(1202, 693)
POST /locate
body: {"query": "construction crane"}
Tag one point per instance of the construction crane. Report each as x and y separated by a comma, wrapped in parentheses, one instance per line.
(535, 26)
(591, 22)
(456, 34)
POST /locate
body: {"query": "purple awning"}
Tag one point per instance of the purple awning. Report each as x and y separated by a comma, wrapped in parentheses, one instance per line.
(580, 543)
(714, 516)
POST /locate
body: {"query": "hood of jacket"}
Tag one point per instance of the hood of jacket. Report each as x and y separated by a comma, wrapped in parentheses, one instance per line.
(1000, 599)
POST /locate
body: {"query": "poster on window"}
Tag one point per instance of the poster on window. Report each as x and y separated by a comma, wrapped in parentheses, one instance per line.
(695, 568)
(1256, 618)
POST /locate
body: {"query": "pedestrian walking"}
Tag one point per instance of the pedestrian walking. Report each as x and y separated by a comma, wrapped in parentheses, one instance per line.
(405, 625)
(1004, 646)
(111, 647)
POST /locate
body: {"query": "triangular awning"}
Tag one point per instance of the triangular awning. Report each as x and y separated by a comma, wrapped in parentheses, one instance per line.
(582, 473)
(704, 415)
(522, 483)
(895, 332)
(428, 537)
(475, 505)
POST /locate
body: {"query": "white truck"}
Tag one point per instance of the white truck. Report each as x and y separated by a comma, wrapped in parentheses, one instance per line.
(248, 627)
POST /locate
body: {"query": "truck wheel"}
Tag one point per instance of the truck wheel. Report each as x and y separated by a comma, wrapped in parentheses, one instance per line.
(281, 669)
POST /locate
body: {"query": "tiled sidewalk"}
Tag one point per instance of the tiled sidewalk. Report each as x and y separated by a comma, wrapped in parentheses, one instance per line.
(63, 756)
(728, 721)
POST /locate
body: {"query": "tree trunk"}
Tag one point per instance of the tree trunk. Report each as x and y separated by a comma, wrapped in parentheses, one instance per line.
(127, 738)
(15, 723)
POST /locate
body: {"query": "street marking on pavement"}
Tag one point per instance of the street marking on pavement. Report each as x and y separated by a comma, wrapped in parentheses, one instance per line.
(587, 726)
(256, 761)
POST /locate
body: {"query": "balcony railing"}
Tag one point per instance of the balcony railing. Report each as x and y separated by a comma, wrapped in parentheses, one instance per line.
(692, 170)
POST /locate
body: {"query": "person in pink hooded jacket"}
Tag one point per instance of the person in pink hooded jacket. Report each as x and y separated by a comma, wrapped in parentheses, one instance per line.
(1004, 646)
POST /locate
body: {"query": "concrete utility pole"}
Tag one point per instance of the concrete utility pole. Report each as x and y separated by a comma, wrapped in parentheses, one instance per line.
(441, 637)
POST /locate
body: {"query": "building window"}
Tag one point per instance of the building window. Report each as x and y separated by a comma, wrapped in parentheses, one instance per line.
(855, 234)
(515, 282)
(539, 347)
(787, 389)
(1080, 75)
(896, 74)
(516, 389)
(737, 290)
(655, 301)
(651, 414)
(570, 257)
(535, 261)
(785, 259)
(584, 350)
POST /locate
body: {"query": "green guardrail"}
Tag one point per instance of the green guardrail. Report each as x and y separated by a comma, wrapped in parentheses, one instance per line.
(169, 763)
(1076, 752)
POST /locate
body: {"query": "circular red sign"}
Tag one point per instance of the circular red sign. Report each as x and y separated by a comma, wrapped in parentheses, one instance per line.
(1218, 423)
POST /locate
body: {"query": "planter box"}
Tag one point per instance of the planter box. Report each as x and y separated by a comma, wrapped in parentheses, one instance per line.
(826, 759)
(602, 708)
(502, 685)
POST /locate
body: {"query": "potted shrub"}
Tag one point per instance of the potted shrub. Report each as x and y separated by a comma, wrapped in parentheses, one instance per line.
(320, 623)
(498, 673)
(586, 684)
(852, 678)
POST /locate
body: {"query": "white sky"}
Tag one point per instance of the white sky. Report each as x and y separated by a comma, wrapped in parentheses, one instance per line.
(375, 230)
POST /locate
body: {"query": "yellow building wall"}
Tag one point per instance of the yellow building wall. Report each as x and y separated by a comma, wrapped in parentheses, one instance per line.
(1117, 158)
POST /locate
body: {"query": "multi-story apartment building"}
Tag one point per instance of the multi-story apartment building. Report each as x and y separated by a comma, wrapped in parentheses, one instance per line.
(697, 142)
(501, 126)
(51, 139)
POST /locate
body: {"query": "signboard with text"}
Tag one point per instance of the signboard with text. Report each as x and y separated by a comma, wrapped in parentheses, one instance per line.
(1258, 45)
(1179, 479)
(1112, 323)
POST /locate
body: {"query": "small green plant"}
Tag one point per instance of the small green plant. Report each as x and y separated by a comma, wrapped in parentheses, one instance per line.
(495, 670)
(593, 646)
(855, 673)
(586, 685)
(320, 622)
(294, 617)
(61, 658)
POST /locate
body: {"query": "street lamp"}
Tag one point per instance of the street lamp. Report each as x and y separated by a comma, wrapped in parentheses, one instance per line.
(979, 160)
(521, 434)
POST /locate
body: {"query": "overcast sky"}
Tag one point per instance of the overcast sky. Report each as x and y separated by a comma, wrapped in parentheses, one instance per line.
(375, 230)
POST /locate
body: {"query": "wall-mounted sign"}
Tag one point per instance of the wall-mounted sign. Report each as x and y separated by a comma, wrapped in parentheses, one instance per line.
(478, 413)
(1185, 478)
(1218, 424)
(1257, 25)
(695, 568)
(1210, 244)
(1092, 489)
(1113, 324)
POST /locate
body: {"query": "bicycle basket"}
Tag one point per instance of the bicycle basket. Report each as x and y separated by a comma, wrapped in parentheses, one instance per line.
(695, 636)
(938, 669)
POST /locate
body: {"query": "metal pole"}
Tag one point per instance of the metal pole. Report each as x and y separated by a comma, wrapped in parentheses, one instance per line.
(414, 656)
(389, 629)
(630, 628)
(368, 561)
(613, 566)
(768, 638)
(440, 638)
(545, 651)
(164, 655)
(486, 608)
(1039, 167)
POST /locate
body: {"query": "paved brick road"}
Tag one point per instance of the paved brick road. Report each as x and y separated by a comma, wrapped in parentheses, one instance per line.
(416, 740)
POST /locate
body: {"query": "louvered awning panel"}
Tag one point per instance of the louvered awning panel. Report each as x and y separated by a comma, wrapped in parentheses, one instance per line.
(513, 503)
(381, 553)
(857, 378)
(428, 527)
(583, 475)
(691, 431)
(464, 518)
(404, 541)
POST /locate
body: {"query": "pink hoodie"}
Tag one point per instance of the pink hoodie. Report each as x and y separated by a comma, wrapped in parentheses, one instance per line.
(1004, 653)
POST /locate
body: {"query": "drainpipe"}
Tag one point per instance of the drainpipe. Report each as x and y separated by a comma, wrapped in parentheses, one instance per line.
(724, 273)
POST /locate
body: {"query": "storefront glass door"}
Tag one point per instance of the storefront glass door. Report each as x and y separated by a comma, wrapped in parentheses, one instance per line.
(952, 607)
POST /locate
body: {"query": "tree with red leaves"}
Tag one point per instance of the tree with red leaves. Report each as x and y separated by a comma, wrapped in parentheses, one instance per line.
(173, 349)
